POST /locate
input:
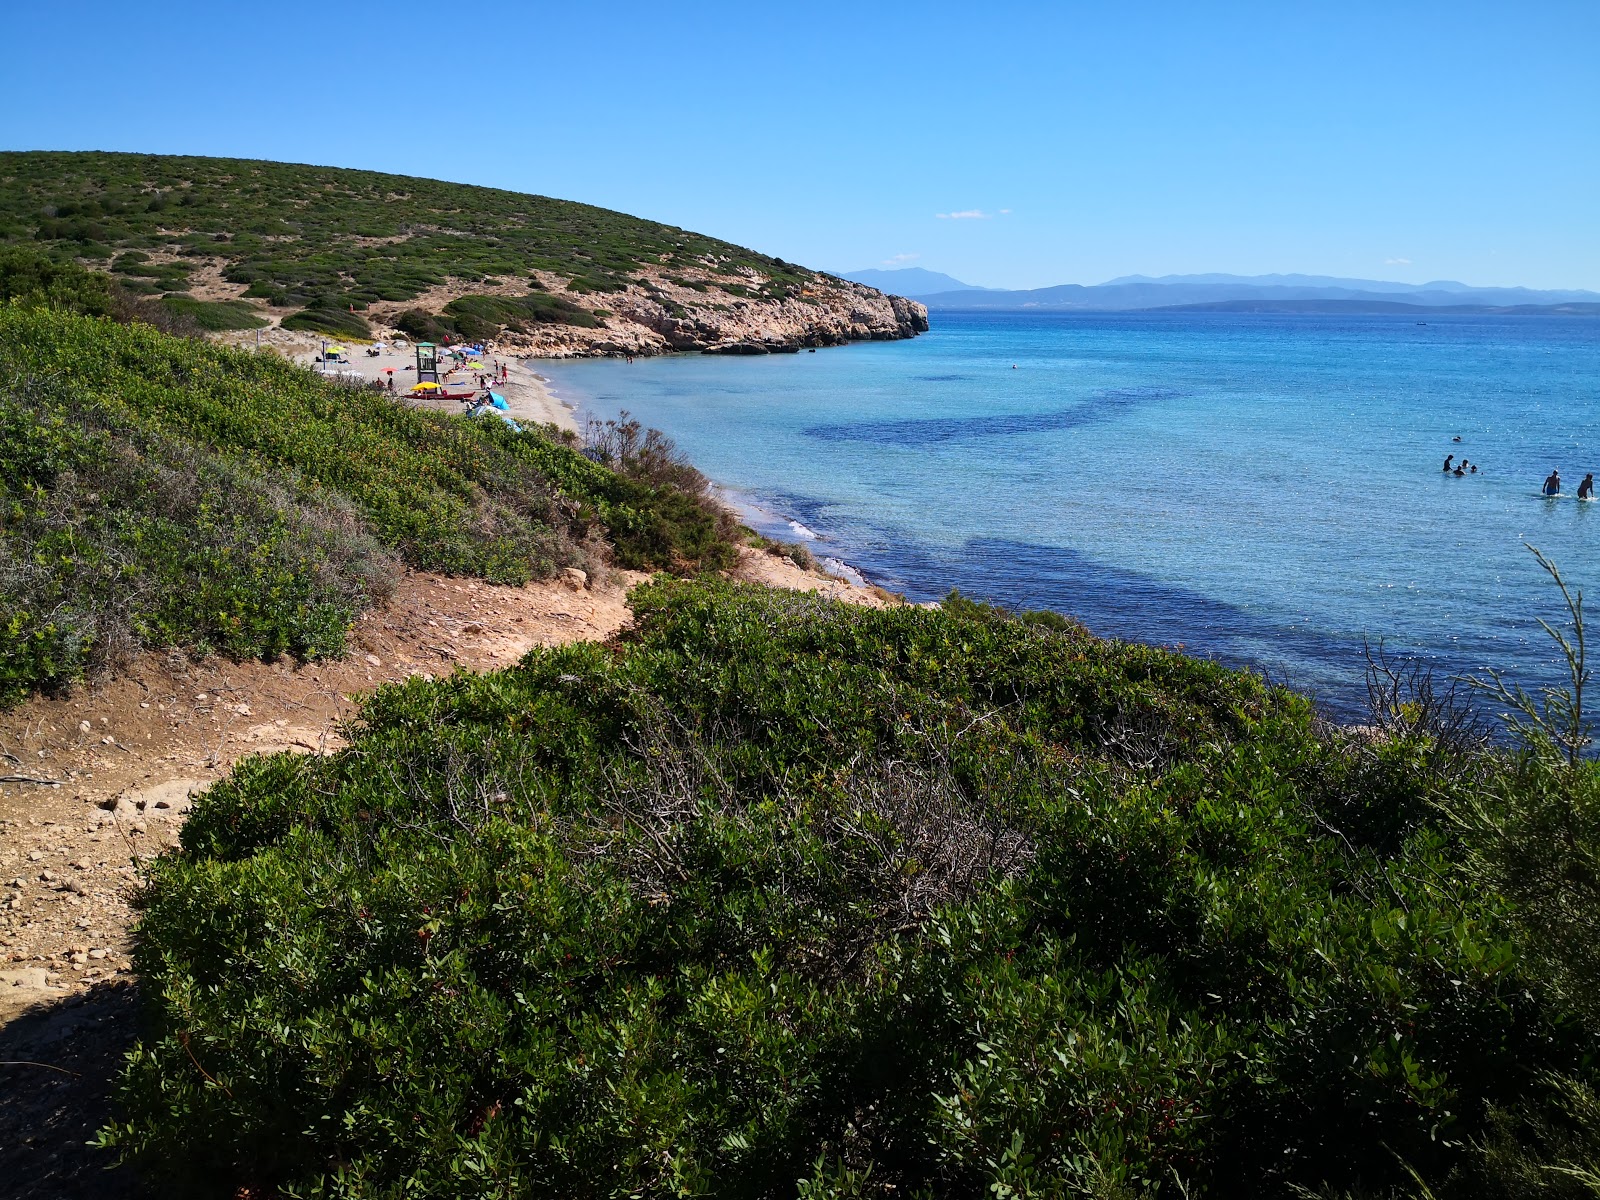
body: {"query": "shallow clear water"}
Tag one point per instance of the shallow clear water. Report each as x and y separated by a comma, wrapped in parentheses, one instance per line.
(1263, 489)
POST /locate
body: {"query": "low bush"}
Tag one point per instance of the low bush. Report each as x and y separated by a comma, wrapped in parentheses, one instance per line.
(336, 321)
(472, 318)
(35, 279)
(215, 315)
(778, 897)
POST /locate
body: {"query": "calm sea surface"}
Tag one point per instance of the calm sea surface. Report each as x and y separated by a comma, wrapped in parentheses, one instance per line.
(1266, 490)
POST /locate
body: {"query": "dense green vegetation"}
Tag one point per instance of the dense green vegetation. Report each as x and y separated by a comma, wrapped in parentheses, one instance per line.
(159, 491)
(214, 315)
(783, 898)
(473, 317)
(338, 322)
(324, 238)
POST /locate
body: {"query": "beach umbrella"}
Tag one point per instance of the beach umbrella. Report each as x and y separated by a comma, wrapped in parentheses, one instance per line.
(335, 349)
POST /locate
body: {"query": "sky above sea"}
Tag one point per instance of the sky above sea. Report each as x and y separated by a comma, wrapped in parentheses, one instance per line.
(1266, 490)
(1007, 144)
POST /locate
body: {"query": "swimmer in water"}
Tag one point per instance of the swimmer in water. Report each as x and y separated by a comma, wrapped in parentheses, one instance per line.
(1449, 459)
(1552, 485)
(1586, 488)
(1461, 469)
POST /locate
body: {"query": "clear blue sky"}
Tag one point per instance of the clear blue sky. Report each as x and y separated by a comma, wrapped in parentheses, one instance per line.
(1408, 139)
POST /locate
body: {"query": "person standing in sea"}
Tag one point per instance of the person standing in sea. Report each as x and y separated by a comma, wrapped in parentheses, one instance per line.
(1552, 485)
(1586, 488)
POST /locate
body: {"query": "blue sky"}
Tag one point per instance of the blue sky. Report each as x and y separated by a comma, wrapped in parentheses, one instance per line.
(1062, 142)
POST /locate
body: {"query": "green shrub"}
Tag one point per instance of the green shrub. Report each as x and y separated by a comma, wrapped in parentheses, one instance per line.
(336, 321)
(35, 279)
(779, 897)
(215, 314)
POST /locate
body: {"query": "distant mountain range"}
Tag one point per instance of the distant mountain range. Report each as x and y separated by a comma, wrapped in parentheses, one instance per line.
(1236, 293)
(909, 281)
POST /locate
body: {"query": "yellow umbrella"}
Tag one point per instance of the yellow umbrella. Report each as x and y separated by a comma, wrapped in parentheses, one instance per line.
(335, 349)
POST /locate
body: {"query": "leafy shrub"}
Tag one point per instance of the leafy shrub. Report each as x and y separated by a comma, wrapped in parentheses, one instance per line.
(35, 279)
(337, 321)
(215, 314)
(780, 897)
(470, 318)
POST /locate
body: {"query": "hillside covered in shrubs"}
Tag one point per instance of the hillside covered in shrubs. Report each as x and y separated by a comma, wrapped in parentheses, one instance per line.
(777, 897)
(162, 491)
(332, 250)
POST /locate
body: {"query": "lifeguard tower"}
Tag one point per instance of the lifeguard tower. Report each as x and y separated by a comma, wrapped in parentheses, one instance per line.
(427, 362)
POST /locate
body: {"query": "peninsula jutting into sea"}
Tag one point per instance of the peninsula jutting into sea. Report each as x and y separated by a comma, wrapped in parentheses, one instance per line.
(499, 697)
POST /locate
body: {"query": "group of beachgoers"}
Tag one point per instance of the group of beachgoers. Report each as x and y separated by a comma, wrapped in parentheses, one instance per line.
(1552, 485)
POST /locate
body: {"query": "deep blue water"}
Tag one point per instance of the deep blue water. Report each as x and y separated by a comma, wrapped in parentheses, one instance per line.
(1264, 489)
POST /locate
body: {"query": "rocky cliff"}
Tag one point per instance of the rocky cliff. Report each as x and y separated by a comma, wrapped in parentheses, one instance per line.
(709, 311)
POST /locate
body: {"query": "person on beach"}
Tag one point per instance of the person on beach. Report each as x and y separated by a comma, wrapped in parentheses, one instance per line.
(1552, 485)
(1448, 460)
(1586, 488)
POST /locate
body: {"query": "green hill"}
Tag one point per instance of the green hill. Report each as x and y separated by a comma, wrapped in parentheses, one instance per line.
(162, 491)
(327, 238)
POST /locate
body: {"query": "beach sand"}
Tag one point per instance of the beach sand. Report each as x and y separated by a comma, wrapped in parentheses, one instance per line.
(527, 393)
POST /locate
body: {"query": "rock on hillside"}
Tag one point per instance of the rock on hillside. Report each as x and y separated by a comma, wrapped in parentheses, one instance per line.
(655, 316)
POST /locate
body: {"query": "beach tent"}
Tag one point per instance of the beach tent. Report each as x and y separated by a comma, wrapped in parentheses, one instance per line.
(499, 401)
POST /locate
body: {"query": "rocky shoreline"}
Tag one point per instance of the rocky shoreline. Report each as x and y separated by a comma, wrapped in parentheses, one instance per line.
(687, 311)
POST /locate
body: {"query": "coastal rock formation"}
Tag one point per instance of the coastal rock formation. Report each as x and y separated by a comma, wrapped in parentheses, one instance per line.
(716, 312)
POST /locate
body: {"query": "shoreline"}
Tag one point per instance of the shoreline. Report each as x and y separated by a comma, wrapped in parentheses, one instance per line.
(765, 518)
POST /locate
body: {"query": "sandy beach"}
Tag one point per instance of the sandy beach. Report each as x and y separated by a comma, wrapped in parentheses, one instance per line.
(527, 394)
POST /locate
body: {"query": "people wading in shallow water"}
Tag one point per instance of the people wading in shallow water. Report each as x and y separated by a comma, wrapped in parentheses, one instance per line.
(1586, 488)
(1461, 469)
(1449, 460)
(1552, 485)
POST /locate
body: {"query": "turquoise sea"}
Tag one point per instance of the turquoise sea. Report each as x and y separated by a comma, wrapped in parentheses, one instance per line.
(1263, 489)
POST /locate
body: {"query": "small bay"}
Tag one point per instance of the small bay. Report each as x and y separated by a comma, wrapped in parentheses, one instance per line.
(1263, 489)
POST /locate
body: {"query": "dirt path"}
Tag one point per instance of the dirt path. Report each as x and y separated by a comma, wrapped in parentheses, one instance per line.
(129, 752)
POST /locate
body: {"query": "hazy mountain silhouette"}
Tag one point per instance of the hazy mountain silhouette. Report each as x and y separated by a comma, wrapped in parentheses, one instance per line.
(909, 281)
(1266, 293)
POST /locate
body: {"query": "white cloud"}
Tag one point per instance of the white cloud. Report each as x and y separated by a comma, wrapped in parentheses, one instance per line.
(970, 214)
(1005, 212)
(900, 258)
(1397, 262)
